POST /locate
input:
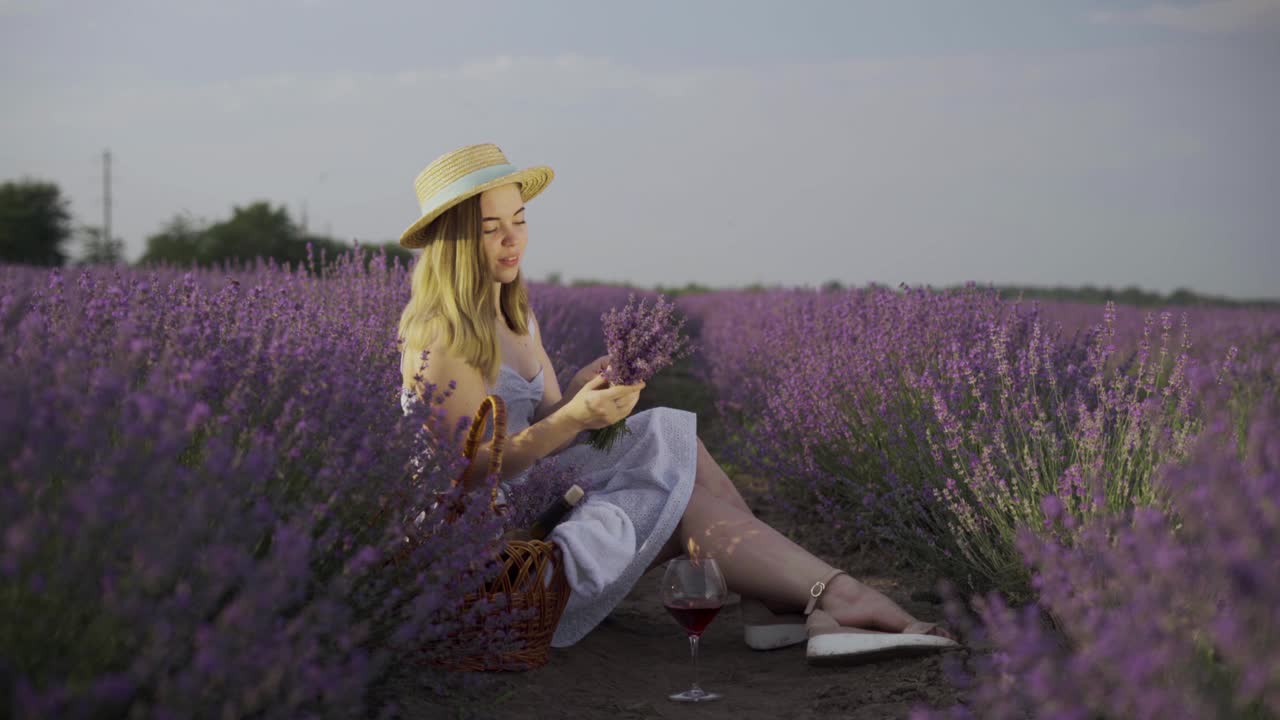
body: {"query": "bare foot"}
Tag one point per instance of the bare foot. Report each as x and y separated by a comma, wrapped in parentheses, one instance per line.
(854, 604)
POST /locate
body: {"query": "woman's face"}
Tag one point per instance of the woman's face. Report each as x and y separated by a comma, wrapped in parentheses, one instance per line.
(502, 230)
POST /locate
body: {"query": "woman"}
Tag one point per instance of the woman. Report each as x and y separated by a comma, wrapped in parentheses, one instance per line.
(469, 310)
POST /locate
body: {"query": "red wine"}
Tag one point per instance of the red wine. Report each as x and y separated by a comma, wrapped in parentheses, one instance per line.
(694, 615)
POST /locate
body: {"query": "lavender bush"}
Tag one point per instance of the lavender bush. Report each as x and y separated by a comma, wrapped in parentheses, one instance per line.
(1017, 425)
(208, 510)
(935, 422)
(1156, 614)
(200, 501)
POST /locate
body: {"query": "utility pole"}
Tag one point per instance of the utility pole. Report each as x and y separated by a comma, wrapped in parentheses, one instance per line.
(106, 197)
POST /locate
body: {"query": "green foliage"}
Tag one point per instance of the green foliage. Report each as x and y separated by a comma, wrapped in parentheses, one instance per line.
(590, 282)
(177, 243)
(98, 250)
(253, 231)
(34, 223)
(687, 289)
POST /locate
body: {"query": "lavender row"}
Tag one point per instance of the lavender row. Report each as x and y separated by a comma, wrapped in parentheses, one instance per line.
(936, 422)
(1053, 453)
(206, 497)
(1154, 614)
(206, 484)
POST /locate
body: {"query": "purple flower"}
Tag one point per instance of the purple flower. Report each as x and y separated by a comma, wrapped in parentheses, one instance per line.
(1155, 614)
(641, 342)
(205, 504)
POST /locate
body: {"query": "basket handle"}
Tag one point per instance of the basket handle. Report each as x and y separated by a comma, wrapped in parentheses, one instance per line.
(491, 405)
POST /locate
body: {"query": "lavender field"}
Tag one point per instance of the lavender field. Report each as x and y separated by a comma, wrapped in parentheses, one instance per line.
(208, 480)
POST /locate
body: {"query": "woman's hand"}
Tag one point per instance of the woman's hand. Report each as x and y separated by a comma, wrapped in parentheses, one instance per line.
(584, 375)
(599, 404)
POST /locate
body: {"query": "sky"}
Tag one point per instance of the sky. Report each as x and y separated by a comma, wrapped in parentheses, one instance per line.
(1031, 142)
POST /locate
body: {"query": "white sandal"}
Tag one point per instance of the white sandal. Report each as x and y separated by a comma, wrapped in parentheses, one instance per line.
(763, 629)
(831, 643)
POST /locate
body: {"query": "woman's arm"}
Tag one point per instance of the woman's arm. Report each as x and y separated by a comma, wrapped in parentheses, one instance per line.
(546, 437)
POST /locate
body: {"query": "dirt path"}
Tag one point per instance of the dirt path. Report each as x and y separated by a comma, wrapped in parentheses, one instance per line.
(627, 666)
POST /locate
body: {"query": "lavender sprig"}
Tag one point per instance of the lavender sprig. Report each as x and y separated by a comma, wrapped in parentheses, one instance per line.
(641, 341)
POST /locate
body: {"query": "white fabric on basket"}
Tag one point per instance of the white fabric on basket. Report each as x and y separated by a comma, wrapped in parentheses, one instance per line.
(598, 540)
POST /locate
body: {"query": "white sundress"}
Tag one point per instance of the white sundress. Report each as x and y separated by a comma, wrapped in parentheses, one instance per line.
(648, 474)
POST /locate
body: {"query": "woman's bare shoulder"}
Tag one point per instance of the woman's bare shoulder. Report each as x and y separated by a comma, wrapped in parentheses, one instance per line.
(440, 361)
(456, 385)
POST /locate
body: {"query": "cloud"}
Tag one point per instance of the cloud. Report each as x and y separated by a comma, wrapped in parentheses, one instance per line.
(1216, 16)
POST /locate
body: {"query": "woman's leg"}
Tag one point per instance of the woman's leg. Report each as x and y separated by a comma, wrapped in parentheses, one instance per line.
(760, 562)
(713, 479)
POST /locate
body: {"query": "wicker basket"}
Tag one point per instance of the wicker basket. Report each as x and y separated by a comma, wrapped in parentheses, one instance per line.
(523, 563)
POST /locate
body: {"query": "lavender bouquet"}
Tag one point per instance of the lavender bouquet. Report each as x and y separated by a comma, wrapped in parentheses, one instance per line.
(640, 341)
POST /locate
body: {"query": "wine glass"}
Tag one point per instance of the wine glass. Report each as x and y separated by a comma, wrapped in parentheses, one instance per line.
(693, 591)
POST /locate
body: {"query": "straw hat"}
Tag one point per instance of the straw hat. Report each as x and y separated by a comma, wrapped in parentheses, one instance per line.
(457, 175)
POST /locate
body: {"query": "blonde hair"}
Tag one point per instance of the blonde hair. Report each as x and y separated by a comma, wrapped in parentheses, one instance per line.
(451, 292)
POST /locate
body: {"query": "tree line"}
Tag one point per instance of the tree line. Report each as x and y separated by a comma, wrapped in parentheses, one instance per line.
(35, 224)
(36, 228)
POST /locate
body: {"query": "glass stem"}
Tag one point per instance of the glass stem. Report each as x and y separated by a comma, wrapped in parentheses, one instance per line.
(693, 648)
